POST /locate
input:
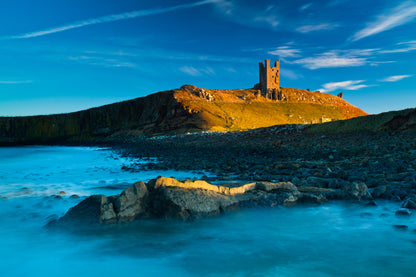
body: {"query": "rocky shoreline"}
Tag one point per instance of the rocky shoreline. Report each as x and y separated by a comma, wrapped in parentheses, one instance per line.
(384, 161)
(313, 168)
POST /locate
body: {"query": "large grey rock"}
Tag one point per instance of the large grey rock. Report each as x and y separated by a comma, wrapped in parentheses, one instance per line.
(357, 191)
(94, 209)
(169, 198)
(131, 202)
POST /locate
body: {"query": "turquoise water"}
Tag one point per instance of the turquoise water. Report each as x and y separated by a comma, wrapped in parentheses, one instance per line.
(337, 239)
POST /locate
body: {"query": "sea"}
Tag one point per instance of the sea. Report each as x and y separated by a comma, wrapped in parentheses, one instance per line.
(40, 183)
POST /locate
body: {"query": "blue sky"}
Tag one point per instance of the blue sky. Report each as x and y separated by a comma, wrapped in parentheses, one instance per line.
(67, 55)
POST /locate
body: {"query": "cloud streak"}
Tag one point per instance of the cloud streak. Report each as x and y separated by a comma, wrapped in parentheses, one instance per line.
(402, 14)
(319, 27)
(346, 85)
(192, 71)
(105, 19)
(395, 78)
(332, 59)
(285, 52)
(15, 82)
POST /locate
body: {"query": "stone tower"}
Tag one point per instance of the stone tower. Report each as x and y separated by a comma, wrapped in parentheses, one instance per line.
(269, 80)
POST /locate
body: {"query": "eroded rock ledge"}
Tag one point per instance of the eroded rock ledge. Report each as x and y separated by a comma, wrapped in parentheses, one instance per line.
(169, 198)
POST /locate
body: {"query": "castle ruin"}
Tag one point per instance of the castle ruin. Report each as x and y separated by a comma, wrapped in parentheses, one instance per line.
(269, 80)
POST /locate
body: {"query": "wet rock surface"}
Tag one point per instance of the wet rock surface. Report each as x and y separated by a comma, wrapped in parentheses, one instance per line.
(168, 198)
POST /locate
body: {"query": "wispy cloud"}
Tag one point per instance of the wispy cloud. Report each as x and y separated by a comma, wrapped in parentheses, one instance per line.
(338, 58)
(190, 70)
(395, 78)
(403, 47)
(305, 7)
(402, 14)
(105, 19)
(285, 52)
(332, 59)
(101, 61)
(346, 85)
(318, 27)
(249, 15)
(268, 19)
(15, 82)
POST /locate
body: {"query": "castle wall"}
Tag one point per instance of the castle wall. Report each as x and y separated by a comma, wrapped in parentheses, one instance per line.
(269, 80)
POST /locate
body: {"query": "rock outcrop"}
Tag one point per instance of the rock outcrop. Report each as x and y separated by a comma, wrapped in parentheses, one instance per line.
(168, 198)
(171, 199)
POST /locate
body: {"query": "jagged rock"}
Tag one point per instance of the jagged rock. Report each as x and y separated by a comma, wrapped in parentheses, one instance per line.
(130, 202)
(410, 202)
(356, 190)
(377, 192)
(169, 198)
(94, 209)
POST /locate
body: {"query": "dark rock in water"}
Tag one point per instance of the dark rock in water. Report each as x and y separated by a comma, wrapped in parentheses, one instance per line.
(403, 212)
(377, 192)
(366, 214)
(169, 198)
(352, 191)
(410, 202)
(395, 198)
(74, 196)
(401, 227)
(312, 198)
(371, 203)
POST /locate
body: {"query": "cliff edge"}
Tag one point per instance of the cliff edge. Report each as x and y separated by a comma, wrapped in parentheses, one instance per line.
(188, 109)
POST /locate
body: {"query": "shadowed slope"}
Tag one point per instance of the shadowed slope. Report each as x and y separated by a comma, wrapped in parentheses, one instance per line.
(388, 121)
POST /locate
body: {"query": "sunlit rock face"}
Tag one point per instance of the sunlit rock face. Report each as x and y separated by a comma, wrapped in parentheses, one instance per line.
(169, 198)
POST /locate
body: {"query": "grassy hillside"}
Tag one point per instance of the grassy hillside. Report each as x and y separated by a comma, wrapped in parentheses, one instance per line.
(245, 109)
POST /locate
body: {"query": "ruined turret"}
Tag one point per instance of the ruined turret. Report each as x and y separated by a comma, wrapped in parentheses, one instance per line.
(269, 80)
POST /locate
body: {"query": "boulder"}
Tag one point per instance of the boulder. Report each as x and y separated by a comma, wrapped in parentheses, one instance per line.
(131, 202)
(169, 198)
(410, 202)
(378, 192)
(357, 191)
(94, 209)
(403, 212)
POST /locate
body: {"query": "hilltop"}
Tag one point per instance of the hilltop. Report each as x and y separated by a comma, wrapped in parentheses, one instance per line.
(188, 109)
(243, 109)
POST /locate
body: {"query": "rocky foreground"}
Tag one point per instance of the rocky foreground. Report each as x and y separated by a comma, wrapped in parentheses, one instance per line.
(281, 165)
(168, 198)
